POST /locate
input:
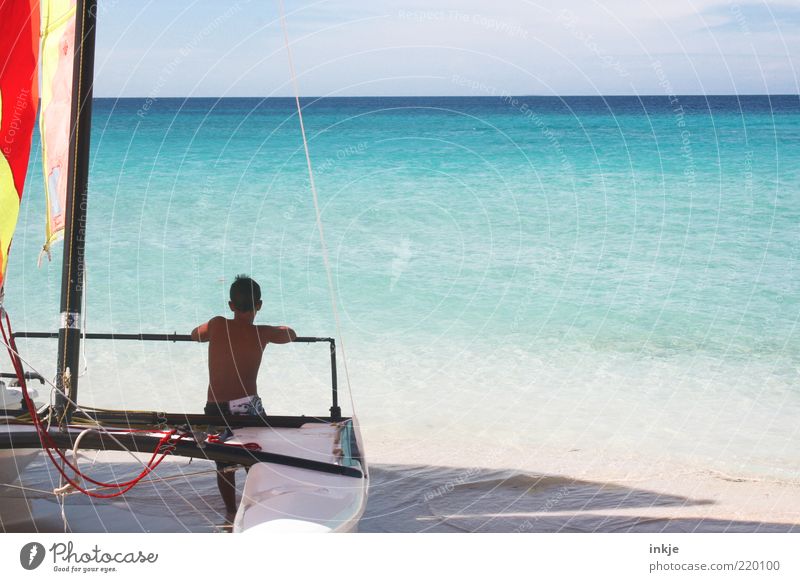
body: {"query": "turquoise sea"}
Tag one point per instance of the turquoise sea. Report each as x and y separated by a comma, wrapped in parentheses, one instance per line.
(519, 280)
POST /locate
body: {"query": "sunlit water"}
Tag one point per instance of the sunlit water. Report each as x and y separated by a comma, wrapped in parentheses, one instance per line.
(525, 280)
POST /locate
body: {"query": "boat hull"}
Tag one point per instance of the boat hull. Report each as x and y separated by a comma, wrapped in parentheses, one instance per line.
(14, 505)
(311, 477)
(277, 498)
(14, 461)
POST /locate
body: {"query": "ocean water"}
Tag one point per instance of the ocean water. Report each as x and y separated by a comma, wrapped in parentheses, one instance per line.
(586, 286)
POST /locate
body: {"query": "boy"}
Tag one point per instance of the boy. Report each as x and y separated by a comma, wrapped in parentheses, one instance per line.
(234, 356)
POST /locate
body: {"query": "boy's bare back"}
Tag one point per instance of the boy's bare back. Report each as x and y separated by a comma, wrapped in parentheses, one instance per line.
(234, 355)
(235, 348)
(236, 345)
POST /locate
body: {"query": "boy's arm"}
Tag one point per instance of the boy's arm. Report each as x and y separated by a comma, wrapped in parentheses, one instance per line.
(276, 334)
(202, 332)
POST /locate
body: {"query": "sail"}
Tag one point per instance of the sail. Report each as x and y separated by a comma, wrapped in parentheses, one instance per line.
(58, 40)
(19, 51)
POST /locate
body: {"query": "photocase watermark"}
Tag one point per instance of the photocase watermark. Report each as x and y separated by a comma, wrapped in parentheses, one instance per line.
(524, 109)
(569, 21)
(21, 104)
(546, 131)
(548, 505)
(476, 85)
(31, 555)
(522, 313)
(466, 475)
(449, 486)
(400, 261)
(689, 170)
(341, 154)
(741, 21)
(170, 68)
(66, 558)
(106, 6)
(322, 168)
(505, 27)
(748, 171)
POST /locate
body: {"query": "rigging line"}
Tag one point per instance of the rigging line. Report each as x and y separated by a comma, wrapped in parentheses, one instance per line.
(71, 201)
(25, 488)
(317, 212)
(105, 430)
(62, 499)
(27, 363)
(151, 478)
(84, 317)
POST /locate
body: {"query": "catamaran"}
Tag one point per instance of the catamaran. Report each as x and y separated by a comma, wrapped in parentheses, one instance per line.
(306, 472)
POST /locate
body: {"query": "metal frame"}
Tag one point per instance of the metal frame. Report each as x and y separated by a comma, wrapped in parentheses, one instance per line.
(335, 410)
(69, 335)
(196, 423)
(189, 448)
(28, 376)
(72, 269)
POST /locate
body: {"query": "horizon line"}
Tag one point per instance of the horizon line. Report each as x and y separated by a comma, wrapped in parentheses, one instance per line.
(706, 95)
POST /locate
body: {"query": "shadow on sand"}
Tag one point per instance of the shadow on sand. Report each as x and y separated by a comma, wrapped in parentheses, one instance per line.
(405, 498)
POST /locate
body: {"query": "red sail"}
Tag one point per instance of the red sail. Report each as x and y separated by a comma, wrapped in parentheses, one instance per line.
(19, 51)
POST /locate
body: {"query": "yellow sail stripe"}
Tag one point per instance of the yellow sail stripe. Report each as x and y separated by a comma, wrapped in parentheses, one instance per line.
(9, 202)
(58, 16)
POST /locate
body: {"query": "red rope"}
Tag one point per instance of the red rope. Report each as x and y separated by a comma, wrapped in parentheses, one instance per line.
(214, 439)
(48, 443)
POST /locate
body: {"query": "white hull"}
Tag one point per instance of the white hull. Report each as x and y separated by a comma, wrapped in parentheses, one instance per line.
(291, 500)
(14, 508)
(277, 498)
(14, 462)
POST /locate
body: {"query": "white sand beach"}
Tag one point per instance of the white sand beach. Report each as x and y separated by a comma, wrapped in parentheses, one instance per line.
(409, 495)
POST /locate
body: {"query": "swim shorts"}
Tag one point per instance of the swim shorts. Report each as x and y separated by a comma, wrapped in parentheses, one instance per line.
(247, 406)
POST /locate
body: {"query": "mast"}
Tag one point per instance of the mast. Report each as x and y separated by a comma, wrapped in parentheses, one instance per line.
(72, 269)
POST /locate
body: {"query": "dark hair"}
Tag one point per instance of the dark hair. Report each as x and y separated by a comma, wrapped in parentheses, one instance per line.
(245, 293)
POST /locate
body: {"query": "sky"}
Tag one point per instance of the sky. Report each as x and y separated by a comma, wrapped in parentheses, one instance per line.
(181, 48)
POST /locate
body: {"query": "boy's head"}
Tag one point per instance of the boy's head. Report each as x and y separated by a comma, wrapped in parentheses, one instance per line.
(245, 295)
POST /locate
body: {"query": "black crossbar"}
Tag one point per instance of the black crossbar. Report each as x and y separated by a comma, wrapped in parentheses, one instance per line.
(28, 376)
(146, 444)
(336, 411)
(148, 419)
(146, 337)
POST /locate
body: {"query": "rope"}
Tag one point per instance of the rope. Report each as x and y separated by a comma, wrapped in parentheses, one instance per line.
(164, 446)
(149, 479)
(215, 439)
(80, 410)
(84, 301)
(317, 212)
(65, 488)
(25, 488)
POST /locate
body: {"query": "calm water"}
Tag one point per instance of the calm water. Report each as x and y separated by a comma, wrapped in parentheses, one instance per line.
(541, 276)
